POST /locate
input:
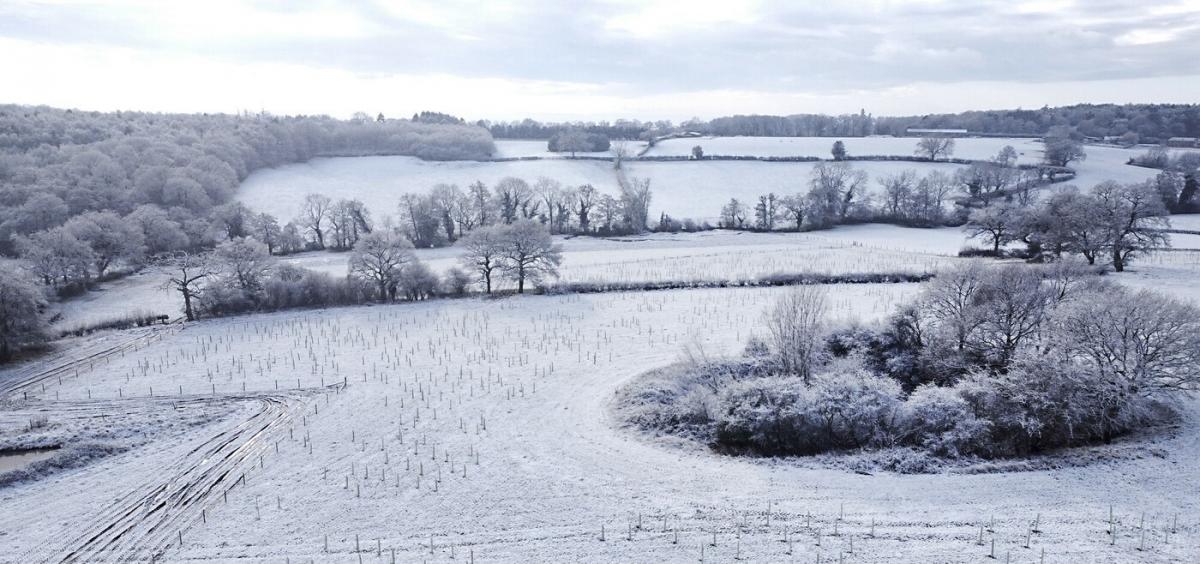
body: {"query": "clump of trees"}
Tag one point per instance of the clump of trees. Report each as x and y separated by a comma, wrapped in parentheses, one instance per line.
(578, 141)
(523, 252)
(1112, 223)
(242, 276)
(989, 362)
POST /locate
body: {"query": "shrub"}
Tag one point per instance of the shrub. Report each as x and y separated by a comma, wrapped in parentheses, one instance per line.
(769, 416)
(942, 422)
(857, 409)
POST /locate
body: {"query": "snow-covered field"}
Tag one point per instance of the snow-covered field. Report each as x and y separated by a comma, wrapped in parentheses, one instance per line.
(706, 256)
(1029, 150)
(698, 190)
(682, 189)
(1102, 163)
(479, 430)
(380, 181)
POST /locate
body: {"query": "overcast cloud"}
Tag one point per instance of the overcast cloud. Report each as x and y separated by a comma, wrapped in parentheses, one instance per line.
(608, 59)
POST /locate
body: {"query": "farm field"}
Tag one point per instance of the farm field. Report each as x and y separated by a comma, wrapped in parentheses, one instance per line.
(698, 190)
(449, 443)
(695, 190)
(1102, 163)
(380, 181)
(660, 257)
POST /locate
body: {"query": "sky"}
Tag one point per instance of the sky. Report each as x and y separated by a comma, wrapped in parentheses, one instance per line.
(557, 60)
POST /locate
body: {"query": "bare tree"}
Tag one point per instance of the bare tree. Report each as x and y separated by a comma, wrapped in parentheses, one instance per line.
(529, 253)
(245, 261)
(550, 191)
(934, 147)
(513, 196)
(796, 323)
(620, 151)
(381, 257)
(265, 228)
(187, 272)
(1133, 217)
(447, 199)
(999, 223)
(313, 215)
(584, 201)
(483, 252)
(635, 198)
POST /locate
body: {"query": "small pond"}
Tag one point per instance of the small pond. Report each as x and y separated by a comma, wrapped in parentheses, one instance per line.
(20, 458)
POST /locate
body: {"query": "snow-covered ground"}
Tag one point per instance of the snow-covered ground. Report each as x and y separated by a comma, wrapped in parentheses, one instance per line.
(479, 429)
(1102, 162)
(712, 255)
(1029, 150)
(698, 189)
(380, 181)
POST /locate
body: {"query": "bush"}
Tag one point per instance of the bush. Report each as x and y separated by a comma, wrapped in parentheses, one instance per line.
(770, 416)
(942, 422)
(857, 409)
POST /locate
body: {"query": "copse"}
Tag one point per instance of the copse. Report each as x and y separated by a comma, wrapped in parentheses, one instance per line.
(1115, 221)
(990, 361)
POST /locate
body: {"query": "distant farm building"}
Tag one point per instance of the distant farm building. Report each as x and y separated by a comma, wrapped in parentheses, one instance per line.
(918, 132)
(1183, 142)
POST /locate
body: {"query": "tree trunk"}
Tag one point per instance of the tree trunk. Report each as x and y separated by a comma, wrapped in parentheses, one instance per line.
(487, 278)
(187, 304)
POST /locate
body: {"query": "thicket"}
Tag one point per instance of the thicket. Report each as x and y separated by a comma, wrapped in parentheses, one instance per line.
(989, 362)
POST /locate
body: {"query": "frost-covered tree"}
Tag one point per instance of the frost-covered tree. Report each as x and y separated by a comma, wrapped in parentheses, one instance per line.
(186, 273)
(733, 214)
(839, 150)
(111, 238)
(380, 257)
(584, 200)
(529, 253)
(21, 322)
(635, 201)
(796, 323)
(934, 147)
(997, 223)
(265, 228)
(1133, 218)
(245, 262)
(483, 252)
(314, 216)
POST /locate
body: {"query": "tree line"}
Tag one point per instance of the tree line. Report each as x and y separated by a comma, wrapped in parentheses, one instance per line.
(838, 193)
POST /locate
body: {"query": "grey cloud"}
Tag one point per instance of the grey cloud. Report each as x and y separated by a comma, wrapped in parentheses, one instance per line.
(790, 47)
